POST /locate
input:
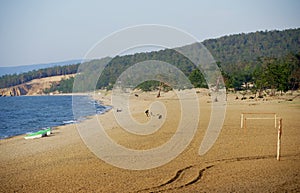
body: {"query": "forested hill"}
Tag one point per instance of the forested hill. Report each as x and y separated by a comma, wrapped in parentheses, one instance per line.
(234, 52)
(242, 58)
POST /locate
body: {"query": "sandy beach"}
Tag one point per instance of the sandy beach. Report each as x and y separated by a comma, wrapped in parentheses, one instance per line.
(239, 161)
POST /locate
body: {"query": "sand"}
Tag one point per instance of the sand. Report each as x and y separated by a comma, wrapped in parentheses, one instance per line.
(240, 160)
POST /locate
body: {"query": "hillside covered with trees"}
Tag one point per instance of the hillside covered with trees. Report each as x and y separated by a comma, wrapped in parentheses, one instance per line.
(269, 59)
(16, 79)
(236, 52)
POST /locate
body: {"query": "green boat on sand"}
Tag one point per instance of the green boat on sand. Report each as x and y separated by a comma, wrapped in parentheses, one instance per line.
(39, 134)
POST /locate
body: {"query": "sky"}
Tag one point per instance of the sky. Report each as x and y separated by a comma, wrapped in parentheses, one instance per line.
(44, 31)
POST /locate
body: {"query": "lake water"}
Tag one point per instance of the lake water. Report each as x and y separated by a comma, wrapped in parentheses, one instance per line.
(23, 114)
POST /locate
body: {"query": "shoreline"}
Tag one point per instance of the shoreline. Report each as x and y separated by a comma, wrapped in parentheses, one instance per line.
(64, 123)
(103, 97)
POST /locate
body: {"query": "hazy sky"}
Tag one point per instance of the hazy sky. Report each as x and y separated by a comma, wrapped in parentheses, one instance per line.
(42, 31)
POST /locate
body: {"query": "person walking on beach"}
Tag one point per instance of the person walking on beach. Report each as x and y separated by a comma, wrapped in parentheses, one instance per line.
(147, 112)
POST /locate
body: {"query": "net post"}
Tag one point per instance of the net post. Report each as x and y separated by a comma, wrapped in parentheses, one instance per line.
(275, 120)
(245, 124)
(242, 120)
(279, 138)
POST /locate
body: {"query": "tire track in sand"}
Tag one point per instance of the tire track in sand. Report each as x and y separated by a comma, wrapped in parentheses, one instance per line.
(174, 182)
(175, 179)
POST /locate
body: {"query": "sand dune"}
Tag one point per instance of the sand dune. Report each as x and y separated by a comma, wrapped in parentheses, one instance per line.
(33, 87)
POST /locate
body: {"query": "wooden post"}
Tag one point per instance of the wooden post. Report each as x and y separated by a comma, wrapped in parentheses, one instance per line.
(279, 138)
(245, 124)
(242, 120)
(275, 121)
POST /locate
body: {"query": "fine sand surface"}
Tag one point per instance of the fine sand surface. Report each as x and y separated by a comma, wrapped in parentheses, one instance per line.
(239, 161)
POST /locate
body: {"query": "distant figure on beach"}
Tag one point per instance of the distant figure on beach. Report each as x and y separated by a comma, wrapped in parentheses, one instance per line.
(147, 112)
(136, 95)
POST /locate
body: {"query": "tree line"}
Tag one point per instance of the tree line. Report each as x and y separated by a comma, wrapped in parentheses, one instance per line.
(64, 86)
(277, 74)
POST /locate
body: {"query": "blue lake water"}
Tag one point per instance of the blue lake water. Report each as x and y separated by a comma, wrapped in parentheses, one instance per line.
(20, 115)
